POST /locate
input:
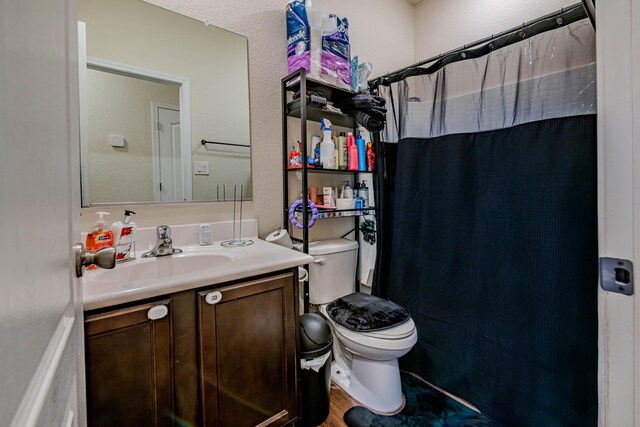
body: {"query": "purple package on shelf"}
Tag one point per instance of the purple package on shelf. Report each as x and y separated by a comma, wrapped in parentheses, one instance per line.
(298, 36)
(335, 59)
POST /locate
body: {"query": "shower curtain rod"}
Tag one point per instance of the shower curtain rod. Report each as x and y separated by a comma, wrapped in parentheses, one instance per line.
(548, 22)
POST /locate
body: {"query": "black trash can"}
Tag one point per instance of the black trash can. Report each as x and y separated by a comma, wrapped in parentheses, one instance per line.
(315, 348)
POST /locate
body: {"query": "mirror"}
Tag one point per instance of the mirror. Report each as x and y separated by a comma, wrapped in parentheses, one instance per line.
(164, 106)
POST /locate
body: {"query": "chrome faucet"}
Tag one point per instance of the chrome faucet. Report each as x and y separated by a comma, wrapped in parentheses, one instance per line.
(164, 244)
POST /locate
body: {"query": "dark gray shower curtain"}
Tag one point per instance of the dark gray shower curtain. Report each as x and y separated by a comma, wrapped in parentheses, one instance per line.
(490, 228)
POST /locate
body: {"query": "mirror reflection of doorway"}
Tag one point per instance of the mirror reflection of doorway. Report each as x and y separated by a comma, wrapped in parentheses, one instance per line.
(167, 154)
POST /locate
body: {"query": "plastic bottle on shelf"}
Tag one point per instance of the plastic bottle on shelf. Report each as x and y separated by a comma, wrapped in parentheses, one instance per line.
(315, 146)
(352, 149)
(371, 157)
(342, 151)
(362, 153)
(347, 191)
(327, 147)
(364, 194)
(335, 150)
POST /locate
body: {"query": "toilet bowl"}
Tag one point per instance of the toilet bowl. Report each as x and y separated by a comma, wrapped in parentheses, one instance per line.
(365, 362)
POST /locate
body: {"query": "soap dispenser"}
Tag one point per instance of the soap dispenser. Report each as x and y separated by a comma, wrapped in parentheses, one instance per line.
(123, 232)
(99, 237)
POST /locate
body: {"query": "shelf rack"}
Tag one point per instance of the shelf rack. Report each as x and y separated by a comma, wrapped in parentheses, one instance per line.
(299, 80)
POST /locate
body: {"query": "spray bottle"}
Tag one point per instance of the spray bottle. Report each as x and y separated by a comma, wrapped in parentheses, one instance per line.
(327, 147)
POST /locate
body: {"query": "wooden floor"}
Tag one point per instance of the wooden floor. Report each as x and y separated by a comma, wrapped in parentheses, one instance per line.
(340, 403)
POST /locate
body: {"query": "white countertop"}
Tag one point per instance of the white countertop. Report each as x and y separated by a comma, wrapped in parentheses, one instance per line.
(99, 290)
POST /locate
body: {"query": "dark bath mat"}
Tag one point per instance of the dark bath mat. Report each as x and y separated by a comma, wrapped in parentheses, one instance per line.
(425, 406)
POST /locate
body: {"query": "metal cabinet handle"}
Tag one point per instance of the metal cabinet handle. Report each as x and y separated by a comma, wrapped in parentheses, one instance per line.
(213, 298)
(157, 312)
(103, 258)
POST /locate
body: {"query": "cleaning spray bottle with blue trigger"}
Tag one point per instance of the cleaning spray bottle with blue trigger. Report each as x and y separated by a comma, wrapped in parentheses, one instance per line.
(362, 152)
(327, 147)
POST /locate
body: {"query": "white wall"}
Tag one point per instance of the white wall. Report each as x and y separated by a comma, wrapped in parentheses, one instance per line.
(442, 25)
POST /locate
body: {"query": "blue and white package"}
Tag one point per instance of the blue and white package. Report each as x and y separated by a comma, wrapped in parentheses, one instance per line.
(298, 36)
(335, 59)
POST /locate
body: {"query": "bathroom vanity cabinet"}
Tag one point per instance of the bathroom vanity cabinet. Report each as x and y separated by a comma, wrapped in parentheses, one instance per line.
(223, 355)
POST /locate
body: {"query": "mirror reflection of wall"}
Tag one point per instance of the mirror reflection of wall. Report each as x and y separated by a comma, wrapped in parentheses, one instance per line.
(120, 111)
(208, 67)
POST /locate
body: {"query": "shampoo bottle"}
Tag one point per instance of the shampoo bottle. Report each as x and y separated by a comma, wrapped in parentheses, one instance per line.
(327, 147)
(99, 237)
(352, 149)
(335, 150)
(123, 232)
(362, 153)
(342, 151)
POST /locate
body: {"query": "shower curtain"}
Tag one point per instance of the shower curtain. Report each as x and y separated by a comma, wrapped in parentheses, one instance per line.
(490, 227)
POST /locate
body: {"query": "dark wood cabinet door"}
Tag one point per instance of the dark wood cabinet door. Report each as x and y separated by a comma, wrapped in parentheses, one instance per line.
(247, 344)
(129, 369)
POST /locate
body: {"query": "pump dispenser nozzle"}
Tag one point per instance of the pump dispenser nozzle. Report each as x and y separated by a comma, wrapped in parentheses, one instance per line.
(325, 124)
(101, 221)
(126, 218)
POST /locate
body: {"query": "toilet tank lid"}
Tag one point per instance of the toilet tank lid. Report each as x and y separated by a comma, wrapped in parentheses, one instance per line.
(333, 246)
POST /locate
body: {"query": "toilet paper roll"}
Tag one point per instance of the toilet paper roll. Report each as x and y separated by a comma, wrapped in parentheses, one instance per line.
(280, 237)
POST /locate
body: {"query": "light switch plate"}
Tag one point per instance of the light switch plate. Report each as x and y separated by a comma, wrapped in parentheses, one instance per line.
(116, 140)
(202, 168)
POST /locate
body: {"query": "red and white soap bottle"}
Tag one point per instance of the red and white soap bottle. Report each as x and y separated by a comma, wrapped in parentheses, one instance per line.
(123, 232)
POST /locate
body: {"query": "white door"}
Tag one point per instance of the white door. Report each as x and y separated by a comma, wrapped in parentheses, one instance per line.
(168, 156)
(41, 351)
(618, 32)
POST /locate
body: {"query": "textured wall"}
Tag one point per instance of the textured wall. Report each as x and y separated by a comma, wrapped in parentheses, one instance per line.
(442, 25)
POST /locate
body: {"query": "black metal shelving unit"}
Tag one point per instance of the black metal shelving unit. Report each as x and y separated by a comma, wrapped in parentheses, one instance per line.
(299, 80)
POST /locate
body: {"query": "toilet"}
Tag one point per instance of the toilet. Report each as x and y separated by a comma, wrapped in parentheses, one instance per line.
(370, 333)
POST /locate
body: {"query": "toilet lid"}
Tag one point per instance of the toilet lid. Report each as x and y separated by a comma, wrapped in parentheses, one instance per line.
(396, 333)
(362, 312)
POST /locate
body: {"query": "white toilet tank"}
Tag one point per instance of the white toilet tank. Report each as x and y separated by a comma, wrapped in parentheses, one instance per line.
(333, 272)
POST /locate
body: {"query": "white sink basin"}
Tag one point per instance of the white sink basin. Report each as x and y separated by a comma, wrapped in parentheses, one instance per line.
(161, 268)
(196, 267)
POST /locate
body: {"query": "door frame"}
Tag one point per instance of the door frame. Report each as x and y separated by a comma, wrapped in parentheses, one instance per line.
(184, 83)
(155, 152)
(618, 63)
